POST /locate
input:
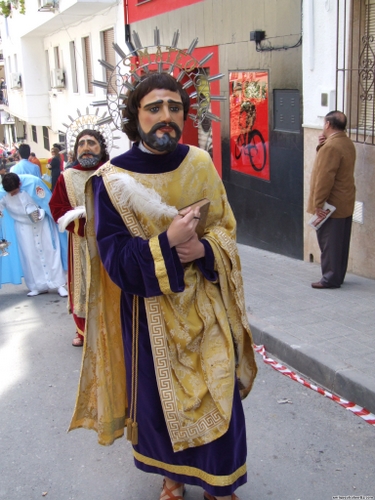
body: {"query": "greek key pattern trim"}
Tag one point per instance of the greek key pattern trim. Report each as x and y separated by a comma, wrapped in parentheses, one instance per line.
(164, 377)
(75, 181)
(127, 215)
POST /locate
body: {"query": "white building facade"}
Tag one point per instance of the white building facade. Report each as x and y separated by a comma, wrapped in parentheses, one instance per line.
(50, 59)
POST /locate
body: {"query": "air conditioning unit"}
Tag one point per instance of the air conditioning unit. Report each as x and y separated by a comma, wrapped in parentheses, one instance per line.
(57, 78)
(48, 5)
(15, 81)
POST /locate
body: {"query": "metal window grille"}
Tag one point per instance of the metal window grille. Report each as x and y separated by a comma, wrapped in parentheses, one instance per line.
(355, 74)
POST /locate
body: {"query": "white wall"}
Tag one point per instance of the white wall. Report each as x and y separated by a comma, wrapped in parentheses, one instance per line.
(35, 103)
(318, 59)
(65, 102)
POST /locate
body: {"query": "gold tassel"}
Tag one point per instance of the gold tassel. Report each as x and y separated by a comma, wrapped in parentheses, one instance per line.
(131, 424)
(129, 429)
(135, 433)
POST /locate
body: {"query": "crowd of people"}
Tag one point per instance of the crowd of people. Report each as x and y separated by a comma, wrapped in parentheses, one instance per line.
(9, 156)
(27, 202)
(25, 193)
(38, 254)
(21, 153)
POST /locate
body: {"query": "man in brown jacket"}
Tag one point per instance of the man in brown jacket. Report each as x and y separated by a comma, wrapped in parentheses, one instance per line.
(332, 181)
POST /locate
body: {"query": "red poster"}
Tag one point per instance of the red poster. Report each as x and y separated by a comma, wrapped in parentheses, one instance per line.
(249, 142)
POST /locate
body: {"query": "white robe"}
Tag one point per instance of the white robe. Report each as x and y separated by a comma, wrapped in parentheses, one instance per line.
(38, 244)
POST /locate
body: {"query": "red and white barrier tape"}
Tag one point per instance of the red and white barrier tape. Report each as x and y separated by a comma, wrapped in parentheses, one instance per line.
(357, 410)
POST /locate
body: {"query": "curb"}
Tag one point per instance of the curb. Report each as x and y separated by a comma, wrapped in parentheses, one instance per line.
(324, 369)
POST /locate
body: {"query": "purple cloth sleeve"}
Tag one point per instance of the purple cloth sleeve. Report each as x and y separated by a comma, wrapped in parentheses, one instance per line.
(206, 264)
(128, 260)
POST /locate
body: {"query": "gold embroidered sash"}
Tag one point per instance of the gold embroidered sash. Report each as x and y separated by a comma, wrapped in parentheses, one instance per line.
(75, 187)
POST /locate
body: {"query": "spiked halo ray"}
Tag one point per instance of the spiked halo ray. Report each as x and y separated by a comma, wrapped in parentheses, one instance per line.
(142, 60)
(90, 121)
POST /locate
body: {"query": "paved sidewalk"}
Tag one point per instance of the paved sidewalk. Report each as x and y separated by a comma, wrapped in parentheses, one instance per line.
(326, 335)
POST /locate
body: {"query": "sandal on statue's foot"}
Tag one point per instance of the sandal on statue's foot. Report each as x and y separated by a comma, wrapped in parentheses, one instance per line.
(167, 493)
(77, 341)
(207, 496)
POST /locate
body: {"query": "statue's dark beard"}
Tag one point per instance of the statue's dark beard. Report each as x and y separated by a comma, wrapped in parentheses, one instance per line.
(88, 161)
(163, 144)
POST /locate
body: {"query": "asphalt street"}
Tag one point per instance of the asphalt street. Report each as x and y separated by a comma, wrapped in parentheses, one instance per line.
(301, 446)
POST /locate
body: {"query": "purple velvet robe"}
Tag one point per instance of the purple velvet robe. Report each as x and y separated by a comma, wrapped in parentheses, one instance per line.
(130, 265)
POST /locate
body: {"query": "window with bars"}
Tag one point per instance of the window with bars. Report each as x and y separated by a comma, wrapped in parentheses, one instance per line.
(87, 61)
(33, 133)
(355, 75)
(109, 55)
(46, 138)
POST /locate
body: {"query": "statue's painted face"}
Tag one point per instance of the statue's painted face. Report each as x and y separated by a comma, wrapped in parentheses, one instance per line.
(161, 120)
(88, 151)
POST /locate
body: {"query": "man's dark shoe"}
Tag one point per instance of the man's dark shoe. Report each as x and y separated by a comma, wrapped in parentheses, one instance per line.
(320, 285)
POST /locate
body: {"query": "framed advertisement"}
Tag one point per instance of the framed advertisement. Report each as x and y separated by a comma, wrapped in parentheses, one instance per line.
(249, 137)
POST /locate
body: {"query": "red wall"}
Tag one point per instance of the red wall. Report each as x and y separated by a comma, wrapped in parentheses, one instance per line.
(190, 134)
(138, 11)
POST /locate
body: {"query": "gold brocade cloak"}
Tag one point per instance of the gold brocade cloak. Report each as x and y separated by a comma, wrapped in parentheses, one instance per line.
(75, 181)
(200, 337)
